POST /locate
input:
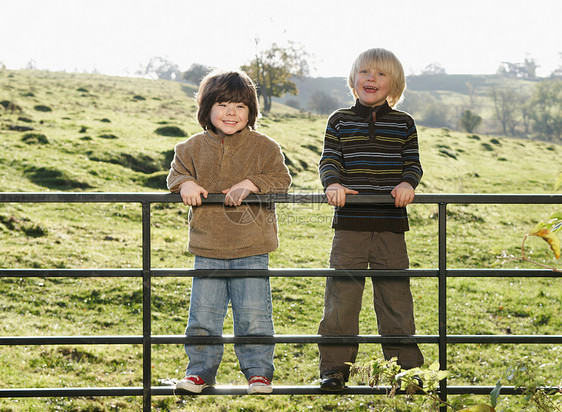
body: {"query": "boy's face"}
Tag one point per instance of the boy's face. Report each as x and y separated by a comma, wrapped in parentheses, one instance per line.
(229, 117)
(372, 87)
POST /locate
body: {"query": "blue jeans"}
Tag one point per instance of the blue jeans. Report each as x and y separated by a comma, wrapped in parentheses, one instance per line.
(252, 311)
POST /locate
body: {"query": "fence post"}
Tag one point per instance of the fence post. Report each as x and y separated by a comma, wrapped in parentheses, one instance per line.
(442, 253)
(146, 310)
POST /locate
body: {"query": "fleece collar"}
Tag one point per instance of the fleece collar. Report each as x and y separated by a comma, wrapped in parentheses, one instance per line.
(370, 114)
(232, 141)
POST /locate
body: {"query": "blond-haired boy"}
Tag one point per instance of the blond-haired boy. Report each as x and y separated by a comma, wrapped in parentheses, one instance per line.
(369, 148)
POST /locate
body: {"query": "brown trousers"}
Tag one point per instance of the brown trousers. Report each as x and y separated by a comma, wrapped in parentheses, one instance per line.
(392, 298)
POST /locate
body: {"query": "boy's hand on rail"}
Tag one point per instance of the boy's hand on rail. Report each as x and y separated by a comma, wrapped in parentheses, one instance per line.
(238, 192)
(191, 192)
(403, 194)
(335, 194)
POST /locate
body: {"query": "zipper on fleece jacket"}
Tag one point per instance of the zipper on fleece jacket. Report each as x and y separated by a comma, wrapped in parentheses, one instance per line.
(222, 154)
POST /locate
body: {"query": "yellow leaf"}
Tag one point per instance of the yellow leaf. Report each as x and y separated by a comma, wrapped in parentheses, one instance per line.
(442, 375)
(479, 408)
(549, 238)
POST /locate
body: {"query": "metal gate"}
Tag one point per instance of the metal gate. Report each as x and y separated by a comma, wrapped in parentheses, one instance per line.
(147, 273)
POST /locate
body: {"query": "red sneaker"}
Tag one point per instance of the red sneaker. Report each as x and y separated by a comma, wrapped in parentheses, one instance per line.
(192, 383)
(259, 384)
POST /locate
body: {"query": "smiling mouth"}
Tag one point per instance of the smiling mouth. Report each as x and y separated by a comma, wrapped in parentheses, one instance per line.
(371, 88)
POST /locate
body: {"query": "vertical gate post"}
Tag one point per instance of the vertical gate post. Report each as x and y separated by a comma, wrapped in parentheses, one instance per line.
(443, 300)
(146, 310)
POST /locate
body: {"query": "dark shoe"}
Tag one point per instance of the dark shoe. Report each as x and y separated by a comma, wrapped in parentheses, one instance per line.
(332, 382)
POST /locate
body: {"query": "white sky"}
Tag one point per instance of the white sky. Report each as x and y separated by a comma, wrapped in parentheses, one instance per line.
(119, 36)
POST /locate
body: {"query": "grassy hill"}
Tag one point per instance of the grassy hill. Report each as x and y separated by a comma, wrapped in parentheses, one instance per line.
(433, 99)
(79, 132)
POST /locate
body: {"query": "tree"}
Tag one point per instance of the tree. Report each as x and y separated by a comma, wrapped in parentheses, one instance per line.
(526, 110)
(294, 103)
(162, 68)
(472, 95)
(435, 114)
(525, 70)
(31, 65)
(470, 121)
(558, 71)
(434, 68)
(273, 70)
(323, 103)
(415, 102)
(547, 109)
(506, 105)
(196, 72)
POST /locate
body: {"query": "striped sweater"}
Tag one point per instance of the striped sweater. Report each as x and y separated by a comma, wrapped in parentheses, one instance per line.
(370, 150)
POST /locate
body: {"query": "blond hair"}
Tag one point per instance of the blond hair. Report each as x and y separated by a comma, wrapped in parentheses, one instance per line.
(386, 62)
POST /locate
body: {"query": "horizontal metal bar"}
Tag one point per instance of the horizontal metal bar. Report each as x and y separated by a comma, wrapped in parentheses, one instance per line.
(319, 272)
(347, 339)
(87, 197)
(512, 273)
(69, 392)
(457, 339)
(313, 272)
(277, 339)
(241, 390)
(224, 339)
(158, 197)
(349, 390)
(70, 340)
(280, 390)
(71, 273)
(326, 272)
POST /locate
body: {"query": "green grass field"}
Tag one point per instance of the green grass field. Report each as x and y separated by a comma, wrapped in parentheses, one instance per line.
(105, 134)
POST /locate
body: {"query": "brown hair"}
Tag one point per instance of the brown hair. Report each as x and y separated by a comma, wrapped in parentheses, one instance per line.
(386, 62)
(224, 87)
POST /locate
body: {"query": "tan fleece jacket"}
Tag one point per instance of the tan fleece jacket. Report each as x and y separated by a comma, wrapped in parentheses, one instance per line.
(216, 164)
